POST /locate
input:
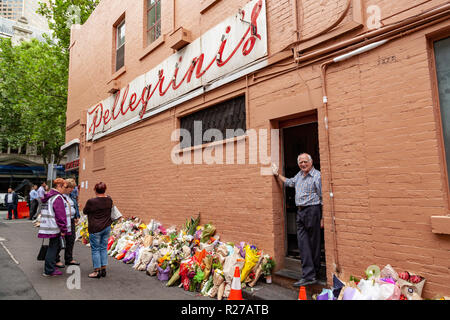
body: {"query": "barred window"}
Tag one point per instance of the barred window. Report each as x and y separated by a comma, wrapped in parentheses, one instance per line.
(226, 116)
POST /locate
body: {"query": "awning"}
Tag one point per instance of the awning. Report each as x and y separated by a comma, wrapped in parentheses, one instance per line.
(70, 143)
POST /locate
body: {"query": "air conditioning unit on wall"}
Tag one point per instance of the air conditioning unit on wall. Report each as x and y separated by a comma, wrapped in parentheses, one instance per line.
(179, 38)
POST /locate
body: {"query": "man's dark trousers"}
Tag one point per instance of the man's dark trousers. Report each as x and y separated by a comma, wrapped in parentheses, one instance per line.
(12, 208)
(70, 241)
(308, 237)
(33, 208)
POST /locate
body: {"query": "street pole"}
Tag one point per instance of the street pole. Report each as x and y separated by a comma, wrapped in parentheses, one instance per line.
(50, 170)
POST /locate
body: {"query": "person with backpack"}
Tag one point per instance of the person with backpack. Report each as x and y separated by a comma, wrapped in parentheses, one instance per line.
(55, 224)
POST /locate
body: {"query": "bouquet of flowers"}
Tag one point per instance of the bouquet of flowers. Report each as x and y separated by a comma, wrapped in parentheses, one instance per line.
(251, 259)
(191, 225)
(163, 268)
(268, 265)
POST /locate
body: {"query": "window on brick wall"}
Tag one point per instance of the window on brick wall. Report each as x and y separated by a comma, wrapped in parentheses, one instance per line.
(229, 115)
(442, 57)
(153, 20)
(120, 45)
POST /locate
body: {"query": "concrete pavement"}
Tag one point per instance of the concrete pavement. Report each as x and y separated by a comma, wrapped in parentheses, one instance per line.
(14, 282)
(25, 281)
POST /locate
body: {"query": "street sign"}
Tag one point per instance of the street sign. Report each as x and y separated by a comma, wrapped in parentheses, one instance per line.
(51, 172)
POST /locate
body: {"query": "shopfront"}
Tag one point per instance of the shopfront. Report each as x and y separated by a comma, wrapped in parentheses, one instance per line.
(219, 90)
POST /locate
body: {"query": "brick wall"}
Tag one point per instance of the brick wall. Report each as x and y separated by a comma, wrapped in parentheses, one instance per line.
(385, 155)
(318, 15)
(388, 175)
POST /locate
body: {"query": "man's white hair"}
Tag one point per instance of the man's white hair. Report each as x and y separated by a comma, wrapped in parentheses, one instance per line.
(309, 157)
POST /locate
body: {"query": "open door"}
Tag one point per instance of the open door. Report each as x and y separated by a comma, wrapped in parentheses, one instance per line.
(299, 136)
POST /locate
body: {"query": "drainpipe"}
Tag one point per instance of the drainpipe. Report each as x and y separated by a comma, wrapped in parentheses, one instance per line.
(323, 68)
(428, 18)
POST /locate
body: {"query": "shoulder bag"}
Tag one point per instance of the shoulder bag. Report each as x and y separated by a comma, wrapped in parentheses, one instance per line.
(42, 251)
(115, 213)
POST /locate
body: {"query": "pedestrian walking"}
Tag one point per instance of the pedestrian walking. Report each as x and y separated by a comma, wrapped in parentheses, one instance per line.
(308, 198)
(11, 201)
(33, 201)
(98, 210)
(55, 224)
(41, 190)
(69, 238)
(74, 197)
(41, 194)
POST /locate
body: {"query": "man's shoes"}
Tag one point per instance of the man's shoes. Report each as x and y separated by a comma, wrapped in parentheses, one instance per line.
(304, 282)
(73, 263)
(7, 219)
(54, 273)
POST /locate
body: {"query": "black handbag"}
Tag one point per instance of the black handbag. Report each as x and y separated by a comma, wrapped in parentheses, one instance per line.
(42, 252)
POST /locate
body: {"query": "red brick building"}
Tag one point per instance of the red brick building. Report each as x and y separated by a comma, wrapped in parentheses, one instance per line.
(361, 85)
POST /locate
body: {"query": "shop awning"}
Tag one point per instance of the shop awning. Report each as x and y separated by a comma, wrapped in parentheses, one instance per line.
(70, 143)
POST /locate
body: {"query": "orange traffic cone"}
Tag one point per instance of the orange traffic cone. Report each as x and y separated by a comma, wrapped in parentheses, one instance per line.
(236, 291)
(302, 294)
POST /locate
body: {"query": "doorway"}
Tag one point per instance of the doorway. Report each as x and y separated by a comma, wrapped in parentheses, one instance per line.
(299, 136)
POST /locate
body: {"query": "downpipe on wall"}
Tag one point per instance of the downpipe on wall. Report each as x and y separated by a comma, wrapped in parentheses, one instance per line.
(323, 68)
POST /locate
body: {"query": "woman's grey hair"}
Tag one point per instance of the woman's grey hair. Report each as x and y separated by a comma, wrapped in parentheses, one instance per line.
(309, 157)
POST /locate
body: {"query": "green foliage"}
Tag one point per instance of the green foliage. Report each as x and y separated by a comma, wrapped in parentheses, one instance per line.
(191, 225)
(216, 264)
(268, 265)
(33, 95)
(34, 81)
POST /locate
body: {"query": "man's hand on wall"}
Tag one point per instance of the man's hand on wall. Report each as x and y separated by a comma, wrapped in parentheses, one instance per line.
(274, 169)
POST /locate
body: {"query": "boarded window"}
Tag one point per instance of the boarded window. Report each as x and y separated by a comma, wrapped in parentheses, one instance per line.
(99, 159)
(228, 115)
(442, 53)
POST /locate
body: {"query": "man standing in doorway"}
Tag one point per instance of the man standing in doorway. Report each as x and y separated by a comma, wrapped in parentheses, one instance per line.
(11, 200)
(308, 199)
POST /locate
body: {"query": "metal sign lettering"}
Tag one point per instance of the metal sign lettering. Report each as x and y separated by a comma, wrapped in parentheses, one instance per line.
(228, 47)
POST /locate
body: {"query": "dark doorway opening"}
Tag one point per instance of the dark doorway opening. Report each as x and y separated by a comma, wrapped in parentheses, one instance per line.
(298, 137)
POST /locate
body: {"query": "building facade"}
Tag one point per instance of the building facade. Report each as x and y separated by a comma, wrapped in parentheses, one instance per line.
(11, 9)
(182, 106)
(15, 9)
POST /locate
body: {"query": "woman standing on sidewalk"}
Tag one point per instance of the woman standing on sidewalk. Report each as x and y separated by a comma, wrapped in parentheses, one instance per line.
(70, 238)
(98, 210)
(55, 223)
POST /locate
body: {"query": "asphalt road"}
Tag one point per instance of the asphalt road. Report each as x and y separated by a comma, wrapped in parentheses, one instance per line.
(21, 274)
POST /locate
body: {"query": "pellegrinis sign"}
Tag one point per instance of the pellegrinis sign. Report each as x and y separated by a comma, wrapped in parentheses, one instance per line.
(234, 47)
